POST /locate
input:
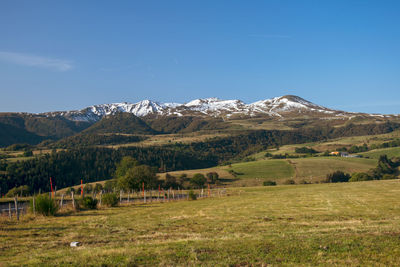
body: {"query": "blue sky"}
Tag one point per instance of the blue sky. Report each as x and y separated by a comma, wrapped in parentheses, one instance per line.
(61, 55)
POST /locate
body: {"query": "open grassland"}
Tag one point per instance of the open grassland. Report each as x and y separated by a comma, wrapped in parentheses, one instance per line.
(390, 152)
(334, 144)
(165, 139)
(349, 224)
(316, 169)
(254, 173)
(266, 169)
(312, 169)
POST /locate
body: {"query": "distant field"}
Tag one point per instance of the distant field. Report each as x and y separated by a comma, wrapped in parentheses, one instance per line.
(316, 169)
(312, 169)
(390, 152)
(348, 224)
(266, 169)
(333, 144)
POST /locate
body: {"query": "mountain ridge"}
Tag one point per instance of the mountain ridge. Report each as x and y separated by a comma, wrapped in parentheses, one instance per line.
(287, 105)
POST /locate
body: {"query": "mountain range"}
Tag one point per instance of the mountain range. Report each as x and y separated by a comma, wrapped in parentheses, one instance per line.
(283, 106)
(149, 117)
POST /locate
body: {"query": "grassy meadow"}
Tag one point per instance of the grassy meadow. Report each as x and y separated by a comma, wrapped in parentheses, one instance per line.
(353, 224)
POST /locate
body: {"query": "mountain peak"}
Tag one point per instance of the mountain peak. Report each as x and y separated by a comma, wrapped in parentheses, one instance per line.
(214, 107)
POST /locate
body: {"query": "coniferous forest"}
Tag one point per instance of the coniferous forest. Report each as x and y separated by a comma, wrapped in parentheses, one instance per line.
(94, 163)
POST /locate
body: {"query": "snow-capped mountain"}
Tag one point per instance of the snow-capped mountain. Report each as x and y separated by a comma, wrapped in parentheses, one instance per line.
(214, 107)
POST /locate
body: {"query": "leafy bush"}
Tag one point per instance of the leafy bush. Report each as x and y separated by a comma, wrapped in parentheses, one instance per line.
(337, 177)
(97, 188)
(388, 177)
(269, 183)
(22, 190)
(212, 177)
(360, 176)
(88, 188)
(109, 199)
(88, 203)
(289, 181)
(28, 153)
(305, 150)
(44, 205)
(304, 182)
(198, 180)
(192, 195)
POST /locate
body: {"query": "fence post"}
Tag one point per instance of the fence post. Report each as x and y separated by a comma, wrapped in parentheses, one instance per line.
(16, 207)
(151, 196)
(128, 196)
(144, 196)
(9, 210)
(120, 196)
(73, 199)
(62, 200)
(168, 194)
(101, 196)
(34, 205)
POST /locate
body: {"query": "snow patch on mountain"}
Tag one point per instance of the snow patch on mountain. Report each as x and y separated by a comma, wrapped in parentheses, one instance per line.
(215, 107)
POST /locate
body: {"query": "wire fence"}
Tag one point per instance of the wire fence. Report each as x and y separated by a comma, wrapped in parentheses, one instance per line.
(16, 208)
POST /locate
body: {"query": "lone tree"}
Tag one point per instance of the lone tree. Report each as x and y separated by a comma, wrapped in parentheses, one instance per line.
(337, 177)
(198, 180)
(124, 165)
(136, 176)
(212, 177)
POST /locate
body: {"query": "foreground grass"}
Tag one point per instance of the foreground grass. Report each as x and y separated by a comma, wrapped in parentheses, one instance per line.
(324, 224)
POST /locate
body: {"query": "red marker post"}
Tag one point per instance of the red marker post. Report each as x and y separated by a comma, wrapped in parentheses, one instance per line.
(51, 186)
(143, 190)
(81, 188)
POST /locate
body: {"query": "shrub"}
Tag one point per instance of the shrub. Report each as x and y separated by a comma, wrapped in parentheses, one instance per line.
(22, 190)
(269, 183)
(109, 199)
(88, 188)
(305, 150)
(192, 195)
(388, 177)
(304, 182)
(212, 177)
(198, 180)
(337, 177)
(267, 155)
(110, 185)
(289, 181)
(88, 203)
(28, 153)
(70, 190)
(44, 205)
(97, 188)
(360, 176)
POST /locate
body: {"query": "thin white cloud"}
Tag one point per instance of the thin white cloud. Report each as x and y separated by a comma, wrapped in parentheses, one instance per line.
(36, 61)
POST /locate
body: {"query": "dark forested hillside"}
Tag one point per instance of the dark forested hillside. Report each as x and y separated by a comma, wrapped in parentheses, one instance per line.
(93, 164)
(122, 123)
(185, 124)
(10, 134)
(32, 129)
(87, 139)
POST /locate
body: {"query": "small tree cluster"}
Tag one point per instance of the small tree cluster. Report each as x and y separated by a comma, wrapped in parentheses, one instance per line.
(22, 190)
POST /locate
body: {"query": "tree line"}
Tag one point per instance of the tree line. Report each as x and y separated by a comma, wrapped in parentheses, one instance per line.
(93, 163)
